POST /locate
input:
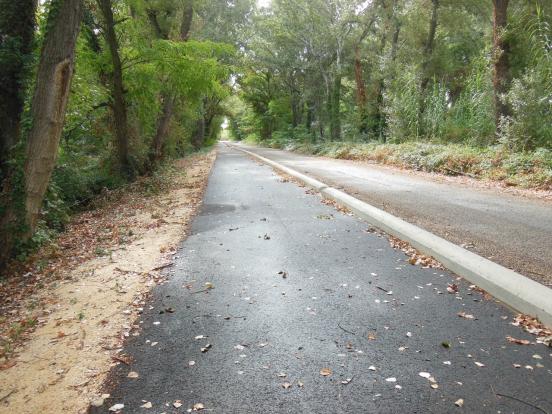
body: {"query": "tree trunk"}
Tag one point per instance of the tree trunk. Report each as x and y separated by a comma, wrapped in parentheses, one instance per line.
(169, 101)
(501, 51)
(335, 114)
(17, 27)
(360, 92)
(187, 19)
(118, 104)
(395, 41)
(163, 123)
(199, 134)
(361, 96)
(53, 82)
(296, 110)
(428, 51)
(430, 42)
(310, 113)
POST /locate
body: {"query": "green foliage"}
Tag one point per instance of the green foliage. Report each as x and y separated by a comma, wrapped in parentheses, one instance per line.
(302, 69)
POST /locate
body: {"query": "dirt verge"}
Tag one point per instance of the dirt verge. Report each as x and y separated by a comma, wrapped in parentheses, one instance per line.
(82, 295)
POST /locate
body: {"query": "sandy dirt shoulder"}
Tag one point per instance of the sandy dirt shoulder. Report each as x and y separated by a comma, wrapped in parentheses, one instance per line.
(84, 314)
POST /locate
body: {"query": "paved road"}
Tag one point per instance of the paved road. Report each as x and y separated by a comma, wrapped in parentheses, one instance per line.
(330, 311)
(513, 231)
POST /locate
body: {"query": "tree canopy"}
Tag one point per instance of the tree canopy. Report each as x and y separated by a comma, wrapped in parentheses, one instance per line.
(94, 93)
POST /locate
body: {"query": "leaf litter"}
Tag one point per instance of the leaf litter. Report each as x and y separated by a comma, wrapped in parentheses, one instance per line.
(94, 297)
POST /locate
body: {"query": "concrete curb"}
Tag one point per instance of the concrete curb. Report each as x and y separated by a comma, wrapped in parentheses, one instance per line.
(514, 289)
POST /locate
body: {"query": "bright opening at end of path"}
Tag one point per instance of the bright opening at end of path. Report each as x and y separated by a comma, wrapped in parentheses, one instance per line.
(264, 4)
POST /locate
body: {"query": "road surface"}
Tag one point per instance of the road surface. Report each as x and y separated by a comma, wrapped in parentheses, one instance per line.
(513, 231)
(278, 289)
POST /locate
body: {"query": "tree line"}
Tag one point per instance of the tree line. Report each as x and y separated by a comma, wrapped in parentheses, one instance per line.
(94, 93)
(447, 71)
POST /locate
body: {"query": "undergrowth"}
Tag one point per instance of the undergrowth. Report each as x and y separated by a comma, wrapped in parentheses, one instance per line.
(524, 169)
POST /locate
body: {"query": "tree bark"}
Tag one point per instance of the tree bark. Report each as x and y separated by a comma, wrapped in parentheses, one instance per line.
(199, 134)
(335, 112)
(430, 42)
(360, 92)
(163, 124)
(17, 27)
(118, 104)
(501, 52)
(169, 101)
(53, 81)
(428, 51)
(362, 99)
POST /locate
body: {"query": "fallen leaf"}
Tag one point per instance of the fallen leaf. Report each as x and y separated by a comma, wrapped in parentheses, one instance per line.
(459, 402)
(465, 315)
(434, 386)
(177, 404)
(325, 372)
(116, 407)
(132, 374)
(198, 407)
(147, 405)
(424, 374)
(452, 288)
(518, 341)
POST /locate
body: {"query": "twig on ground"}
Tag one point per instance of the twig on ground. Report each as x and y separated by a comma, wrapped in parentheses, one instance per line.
(352, 333)
(2, 398)
(523, 402)
(161, 267)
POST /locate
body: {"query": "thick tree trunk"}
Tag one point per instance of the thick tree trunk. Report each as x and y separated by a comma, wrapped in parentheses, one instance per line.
(163, 124)
(187, 19)
(199, 134)
(53, 81)
(501, 51)
(169, 101)
(118, 104)
(17, 27)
